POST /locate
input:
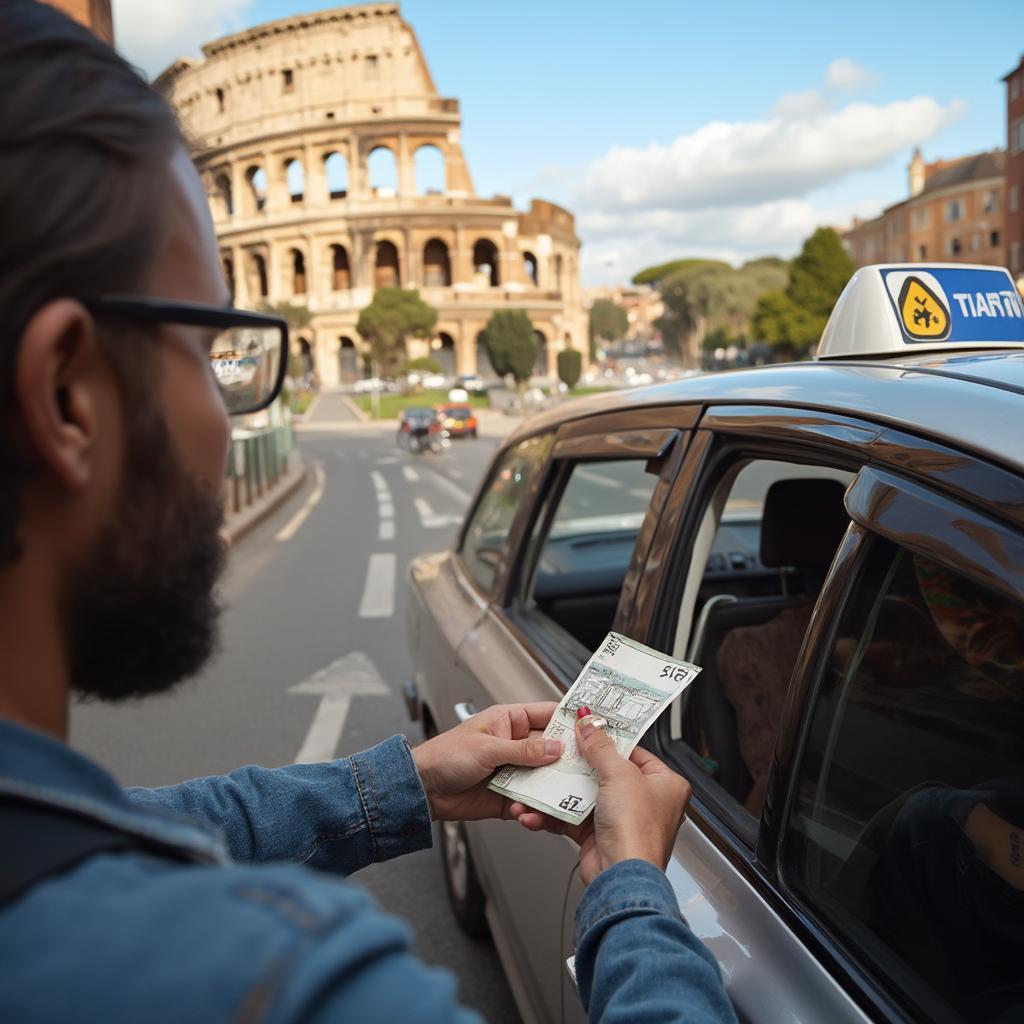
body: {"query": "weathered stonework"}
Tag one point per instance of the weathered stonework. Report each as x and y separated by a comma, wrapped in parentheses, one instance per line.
(279, 111)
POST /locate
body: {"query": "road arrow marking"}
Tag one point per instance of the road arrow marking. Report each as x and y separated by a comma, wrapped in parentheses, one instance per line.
(430, 519)
(351, 676)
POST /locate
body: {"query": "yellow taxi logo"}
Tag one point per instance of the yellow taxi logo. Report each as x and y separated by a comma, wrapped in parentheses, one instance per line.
(925, 316)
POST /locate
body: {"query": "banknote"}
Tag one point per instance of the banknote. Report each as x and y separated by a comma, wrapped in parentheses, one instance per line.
(626, 684)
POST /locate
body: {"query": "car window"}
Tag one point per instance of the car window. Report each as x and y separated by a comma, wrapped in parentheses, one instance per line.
(769, 533)
(584, 543)
(486, 536)
(906, 834)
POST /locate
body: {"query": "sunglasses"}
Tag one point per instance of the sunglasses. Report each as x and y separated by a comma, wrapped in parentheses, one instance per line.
(249, 356)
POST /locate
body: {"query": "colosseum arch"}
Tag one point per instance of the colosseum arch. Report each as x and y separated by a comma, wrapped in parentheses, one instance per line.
(298, 271)
(485, 262)
(387, 269)
(336, 173)
(437, 265)
(530, 266)
(296, 177)
(442, 348)
(228, 266)
(341, 270)
(430, 170)
(221, 198)
(382, 171)
(256, 276)
(558, 272)
(540, 365)
(256, 194)
(348, 360)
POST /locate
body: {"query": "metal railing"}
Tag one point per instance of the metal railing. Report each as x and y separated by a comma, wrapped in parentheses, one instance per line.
(259, 458)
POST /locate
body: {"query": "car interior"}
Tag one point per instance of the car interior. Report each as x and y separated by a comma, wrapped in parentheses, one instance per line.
(769, 534)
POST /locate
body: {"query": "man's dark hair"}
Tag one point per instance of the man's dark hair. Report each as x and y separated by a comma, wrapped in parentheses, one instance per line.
(84, 150)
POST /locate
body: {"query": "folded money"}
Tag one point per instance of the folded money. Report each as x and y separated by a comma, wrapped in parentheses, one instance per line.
(626, 684)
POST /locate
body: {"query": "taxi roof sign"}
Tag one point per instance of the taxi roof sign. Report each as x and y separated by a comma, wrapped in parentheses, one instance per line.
(895, 309)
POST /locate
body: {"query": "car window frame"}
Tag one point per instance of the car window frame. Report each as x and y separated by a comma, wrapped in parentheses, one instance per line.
(651, 433)
(870, 507)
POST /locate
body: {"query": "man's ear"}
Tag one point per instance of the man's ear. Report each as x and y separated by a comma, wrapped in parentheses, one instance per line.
(58, 378)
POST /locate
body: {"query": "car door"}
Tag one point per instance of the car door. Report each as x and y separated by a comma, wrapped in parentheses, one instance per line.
(576, 552)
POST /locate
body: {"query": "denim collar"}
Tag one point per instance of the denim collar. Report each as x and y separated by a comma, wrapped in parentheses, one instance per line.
(41, 769)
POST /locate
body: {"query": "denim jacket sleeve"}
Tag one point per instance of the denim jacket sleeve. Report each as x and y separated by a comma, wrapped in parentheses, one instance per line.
(636, 958)
(338, 816)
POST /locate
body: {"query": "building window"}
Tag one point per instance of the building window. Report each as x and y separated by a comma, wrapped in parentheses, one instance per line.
(1017, 135)
(287, 80)
(993, 239)
(371, 68)
(955, 248)
(922, 252)
(991, 203)
(219, 94)
(1013, 197)
(954, 209)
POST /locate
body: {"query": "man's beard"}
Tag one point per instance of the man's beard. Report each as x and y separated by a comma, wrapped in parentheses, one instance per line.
(141, 614)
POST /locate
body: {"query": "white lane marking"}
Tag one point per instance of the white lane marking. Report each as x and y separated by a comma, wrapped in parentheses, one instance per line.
(410, 474)
(379, 482)
(386, 510)
(387, 530)
(352, 676)
(601, 481)
(379, 590)
(460, 495)
(291, 527)
(638, 492)
(430, 519)
(387, 460)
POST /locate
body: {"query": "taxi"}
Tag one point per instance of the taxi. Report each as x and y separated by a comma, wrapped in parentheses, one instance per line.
(840, 545)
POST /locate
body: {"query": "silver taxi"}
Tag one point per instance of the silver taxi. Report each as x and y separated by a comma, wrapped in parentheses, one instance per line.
(840, 545)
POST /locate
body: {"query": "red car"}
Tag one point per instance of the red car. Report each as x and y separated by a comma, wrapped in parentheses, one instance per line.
(458, 420)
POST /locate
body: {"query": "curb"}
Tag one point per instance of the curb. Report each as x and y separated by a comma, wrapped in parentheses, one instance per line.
(354, 409)
(251, 517)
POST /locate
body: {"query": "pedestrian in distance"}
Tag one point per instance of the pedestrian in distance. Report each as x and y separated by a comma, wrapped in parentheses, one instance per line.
(220, 899)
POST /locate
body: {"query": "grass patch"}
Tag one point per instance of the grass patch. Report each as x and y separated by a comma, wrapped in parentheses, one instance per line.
(596, 389)
(300, 401)
(392, 405)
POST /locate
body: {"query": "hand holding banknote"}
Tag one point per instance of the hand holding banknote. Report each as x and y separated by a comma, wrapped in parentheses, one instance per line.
(641, 803)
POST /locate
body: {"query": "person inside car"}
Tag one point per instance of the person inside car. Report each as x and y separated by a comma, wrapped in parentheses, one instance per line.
(197, 902)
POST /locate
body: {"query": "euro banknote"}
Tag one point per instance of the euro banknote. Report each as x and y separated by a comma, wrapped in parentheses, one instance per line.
(626, 684)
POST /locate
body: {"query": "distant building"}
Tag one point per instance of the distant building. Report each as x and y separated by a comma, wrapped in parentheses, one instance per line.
(642, 305)
(292, 118)
(955, 214)
(1014, 220)
(94, 14)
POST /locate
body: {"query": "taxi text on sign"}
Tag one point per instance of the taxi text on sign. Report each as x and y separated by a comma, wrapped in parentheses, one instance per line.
(955, 304)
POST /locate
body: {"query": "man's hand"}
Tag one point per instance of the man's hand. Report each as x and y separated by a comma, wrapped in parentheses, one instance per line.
(456, 765)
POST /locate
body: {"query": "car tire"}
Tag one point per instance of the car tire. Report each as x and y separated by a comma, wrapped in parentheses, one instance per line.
(465, 895)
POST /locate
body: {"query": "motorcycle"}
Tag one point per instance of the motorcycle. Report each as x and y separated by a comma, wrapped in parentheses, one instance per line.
(433, 438)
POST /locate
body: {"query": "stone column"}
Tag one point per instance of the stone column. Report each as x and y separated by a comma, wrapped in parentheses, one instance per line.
(241, 281)
(240, 193)
(316, 178)
(356, 174)
(411, 277)
(406, 170)
(274, 257)
(277, 184)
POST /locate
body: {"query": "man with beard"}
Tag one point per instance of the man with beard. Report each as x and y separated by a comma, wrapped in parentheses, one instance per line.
(196, 902)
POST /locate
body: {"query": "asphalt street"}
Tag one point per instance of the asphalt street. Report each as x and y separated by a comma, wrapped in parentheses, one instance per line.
(321, 579)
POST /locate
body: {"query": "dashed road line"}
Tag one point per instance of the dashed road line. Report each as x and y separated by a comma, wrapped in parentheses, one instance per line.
(410, 474)
(378, 600)
(386, 530)
(291, 527)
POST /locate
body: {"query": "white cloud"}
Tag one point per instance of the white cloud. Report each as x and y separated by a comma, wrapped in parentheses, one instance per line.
(845, 75)
(743, 163)
(619, 244)
(153, 33)
(800, 104)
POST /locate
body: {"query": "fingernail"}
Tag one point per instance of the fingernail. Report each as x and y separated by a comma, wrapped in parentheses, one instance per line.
(583, 711)
(586, 726)
(552, 746)
(599, 723)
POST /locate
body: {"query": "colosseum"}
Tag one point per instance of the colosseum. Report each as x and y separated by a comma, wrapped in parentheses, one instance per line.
(334, 168)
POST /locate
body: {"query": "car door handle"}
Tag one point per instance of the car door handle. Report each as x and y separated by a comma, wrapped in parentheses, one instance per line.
(465, 710)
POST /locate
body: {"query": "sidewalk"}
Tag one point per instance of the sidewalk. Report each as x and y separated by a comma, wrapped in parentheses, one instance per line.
(237, 524)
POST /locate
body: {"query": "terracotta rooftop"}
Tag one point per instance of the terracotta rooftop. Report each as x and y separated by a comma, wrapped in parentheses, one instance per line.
(944, 173)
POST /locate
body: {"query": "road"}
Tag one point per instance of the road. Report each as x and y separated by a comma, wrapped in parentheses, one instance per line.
(300, 594)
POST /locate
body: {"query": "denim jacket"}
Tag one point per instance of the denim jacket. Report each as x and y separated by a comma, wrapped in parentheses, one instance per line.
(250, 934)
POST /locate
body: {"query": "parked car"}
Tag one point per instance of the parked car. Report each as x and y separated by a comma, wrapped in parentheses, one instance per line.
(472, 383)
(840, 545)
(459, 420)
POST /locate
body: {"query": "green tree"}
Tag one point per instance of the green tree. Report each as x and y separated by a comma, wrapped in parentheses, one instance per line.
(570, 366)
(394, 315)
(511, 345)
(295, 315)
(656, 274)
(608, 320)
(794, 319)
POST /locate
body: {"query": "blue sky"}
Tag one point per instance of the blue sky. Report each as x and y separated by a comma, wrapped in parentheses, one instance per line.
(680, 128)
